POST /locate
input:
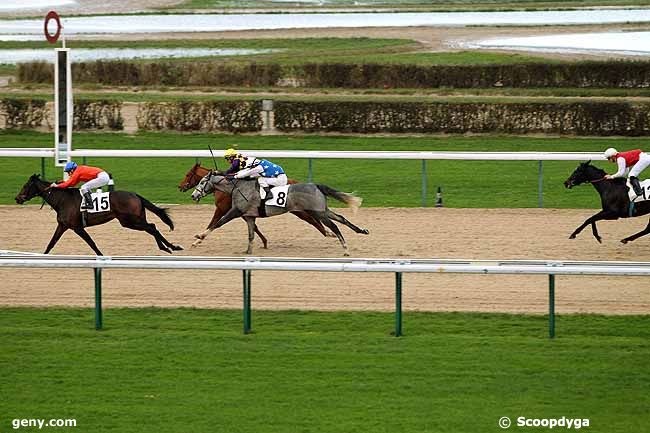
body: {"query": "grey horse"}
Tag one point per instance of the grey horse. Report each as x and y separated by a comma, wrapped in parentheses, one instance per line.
(308, 197)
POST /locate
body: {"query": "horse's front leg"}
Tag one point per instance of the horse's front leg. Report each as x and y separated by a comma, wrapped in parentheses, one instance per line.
(222, 204)
(602, 215)
(229, 216)
(262, 238)
(250, 221)
(83, 234)
(60, 229)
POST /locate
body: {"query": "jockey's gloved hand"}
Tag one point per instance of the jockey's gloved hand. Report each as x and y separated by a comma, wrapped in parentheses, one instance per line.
(53, 185)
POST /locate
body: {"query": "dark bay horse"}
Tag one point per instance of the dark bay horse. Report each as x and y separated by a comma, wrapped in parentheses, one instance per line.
(305, 197)
(127, 207)
(613, 196)
(223, 203)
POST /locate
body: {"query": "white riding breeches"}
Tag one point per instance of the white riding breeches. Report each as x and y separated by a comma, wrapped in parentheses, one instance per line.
(279, 180)
(102, 179)
(642, 164)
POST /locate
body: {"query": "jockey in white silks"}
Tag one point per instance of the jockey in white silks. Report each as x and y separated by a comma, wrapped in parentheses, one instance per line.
(268, 173)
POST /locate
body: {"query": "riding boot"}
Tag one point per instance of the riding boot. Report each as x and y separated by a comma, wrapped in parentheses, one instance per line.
(636, 186)
(269, 194)
(88, 201)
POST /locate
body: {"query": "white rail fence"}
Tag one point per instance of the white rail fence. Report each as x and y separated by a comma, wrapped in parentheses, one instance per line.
(11, 259)
(311, 155)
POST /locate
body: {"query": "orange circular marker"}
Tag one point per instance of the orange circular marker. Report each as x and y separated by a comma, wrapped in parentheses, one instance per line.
(51, 15)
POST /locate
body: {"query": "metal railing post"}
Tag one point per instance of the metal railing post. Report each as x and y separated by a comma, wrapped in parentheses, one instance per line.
(398, 304)
(551, 306)
(540, 186)
(424, 183)
(247, 300)
(98, 298)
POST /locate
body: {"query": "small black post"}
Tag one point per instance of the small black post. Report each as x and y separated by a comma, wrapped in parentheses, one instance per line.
(439, 197)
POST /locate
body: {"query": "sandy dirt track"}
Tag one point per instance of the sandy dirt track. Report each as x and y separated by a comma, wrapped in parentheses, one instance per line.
(395, 233)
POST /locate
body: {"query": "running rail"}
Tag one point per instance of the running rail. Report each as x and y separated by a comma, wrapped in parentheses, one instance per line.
(540, 157)
(13, 259)
(465, 156)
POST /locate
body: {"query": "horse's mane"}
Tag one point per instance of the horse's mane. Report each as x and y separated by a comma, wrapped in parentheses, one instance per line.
(595, 169)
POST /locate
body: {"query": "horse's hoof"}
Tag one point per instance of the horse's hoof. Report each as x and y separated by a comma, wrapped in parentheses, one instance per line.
(572, 237)
(196, 244)
(199, 236)
(600, 240)
(365, 232)
(178, 248)
(624, 241)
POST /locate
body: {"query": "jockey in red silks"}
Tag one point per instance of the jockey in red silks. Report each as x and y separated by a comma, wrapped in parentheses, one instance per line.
(637, 159)
(92, 176)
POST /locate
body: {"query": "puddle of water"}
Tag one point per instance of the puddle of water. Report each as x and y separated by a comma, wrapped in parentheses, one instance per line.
(32, 4)
(89, 55)
(629, 43)
(214, 22)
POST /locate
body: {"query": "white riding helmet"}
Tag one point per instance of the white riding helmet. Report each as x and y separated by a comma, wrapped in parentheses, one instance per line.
(610, 152)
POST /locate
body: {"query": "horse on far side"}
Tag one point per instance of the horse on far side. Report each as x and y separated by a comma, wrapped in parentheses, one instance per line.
(613, 196)
(304, 197)
(127, 207)
(223, 203)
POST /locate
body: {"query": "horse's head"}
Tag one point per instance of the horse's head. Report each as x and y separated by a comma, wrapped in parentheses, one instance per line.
(192, 177)
(206, 185)
(584, 173)
(31, 189)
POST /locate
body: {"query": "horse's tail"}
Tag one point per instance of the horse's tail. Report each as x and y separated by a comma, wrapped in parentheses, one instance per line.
(350, 199)
(160, 212)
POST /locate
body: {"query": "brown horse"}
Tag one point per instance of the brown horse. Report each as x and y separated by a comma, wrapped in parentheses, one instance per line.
(127, 207)
(223, 203)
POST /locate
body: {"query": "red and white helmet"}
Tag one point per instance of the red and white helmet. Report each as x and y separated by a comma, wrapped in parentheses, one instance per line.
(611, 152)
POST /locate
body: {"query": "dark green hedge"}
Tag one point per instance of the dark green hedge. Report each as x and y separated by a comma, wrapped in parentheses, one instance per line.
(102, 114)
(610, 74)
(88, 114)
(580, 118)
(232, 116)
(602, 74)
(125, 73)
(23, 113)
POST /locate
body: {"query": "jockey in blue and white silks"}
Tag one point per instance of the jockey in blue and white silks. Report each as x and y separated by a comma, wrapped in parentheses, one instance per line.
(269, 174)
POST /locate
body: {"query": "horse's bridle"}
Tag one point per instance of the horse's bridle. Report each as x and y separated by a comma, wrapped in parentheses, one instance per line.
(189, 181)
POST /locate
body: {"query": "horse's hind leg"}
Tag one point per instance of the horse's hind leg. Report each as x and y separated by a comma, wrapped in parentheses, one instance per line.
(343, 220)
(314, 222)
(643, 232)
(60, 229)
(153, 231)
(83, 234)
(143, 225)
(322, 217)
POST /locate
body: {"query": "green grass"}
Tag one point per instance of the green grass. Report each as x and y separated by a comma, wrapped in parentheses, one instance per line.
(177, 370)
(308, 50)
(479, 184)
(439, 5)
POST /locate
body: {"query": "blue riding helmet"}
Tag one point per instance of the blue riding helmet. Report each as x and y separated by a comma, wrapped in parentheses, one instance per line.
(70, 166)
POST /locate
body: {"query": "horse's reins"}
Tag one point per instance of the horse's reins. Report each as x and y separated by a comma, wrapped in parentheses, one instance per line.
(49, 191)
(598, 180)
